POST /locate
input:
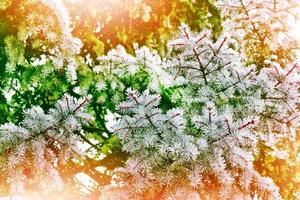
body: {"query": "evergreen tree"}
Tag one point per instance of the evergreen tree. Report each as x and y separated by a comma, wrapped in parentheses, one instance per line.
(210, 115)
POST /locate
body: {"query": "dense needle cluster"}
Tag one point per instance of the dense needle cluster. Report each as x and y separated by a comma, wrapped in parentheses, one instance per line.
(208, 143)
(31, 151)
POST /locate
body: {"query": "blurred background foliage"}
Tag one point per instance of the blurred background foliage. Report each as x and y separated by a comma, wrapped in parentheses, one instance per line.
(101, 25)
(105, 24)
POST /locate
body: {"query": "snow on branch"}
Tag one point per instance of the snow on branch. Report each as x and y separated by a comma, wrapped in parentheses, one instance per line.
(33, 149)
(210, 139)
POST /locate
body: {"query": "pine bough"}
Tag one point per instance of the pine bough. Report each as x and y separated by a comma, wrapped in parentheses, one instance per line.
(31, 151)
(205, 148)
(201, 147)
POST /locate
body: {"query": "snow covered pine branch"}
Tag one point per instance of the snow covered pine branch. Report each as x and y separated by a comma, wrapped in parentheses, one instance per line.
(205, 148)
(265, 30)
(224, 102)
(31, 151)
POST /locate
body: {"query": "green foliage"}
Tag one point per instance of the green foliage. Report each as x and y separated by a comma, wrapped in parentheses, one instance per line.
(14, 50)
